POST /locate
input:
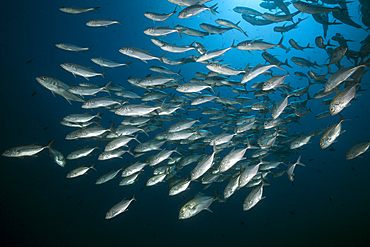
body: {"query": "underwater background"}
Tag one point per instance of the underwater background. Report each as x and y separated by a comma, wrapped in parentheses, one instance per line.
(328, 204)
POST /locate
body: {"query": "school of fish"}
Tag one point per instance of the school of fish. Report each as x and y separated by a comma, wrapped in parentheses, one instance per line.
(253, 139)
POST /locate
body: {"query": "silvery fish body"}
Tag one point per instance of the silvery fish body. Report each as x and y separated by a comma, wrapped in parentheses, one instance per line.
(134, 168)
(221, 139)
(188, 2)
(232, 158)
(196, 205)
(182, 125)
(179, 187)
(100, 102)
(73, 10)
(300, 141)
(57, 156)
(232, 186)
(120, 141)
(101, 23)
(257, 71)
(129, 179)
(156, 179)
(158, 17)
(253, 198)
(87, 132)
(79, 171)
(247, 174)
(58, 87)
(119, 208)
(188, 160)
(290, 170)
(274, 82)
(331, 134)
(160, 31)
(161, 156)
(203, 166)
(23, 151)
(192, 87)
(80, 70)
(195, 10)
(338, 77)
(108, 176)
(71, 47)
(213, 29)
(108, 63)
(342, 99)
(138, 53)
(116, 153)
(150, 145)
(357, 150)
(80, 153)
(180, 135)
(202, 99)
(81, 118)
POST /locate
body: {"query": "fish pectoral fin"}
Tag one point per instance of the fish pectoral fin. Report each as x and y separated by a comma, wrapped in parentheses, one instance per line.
(208, 209)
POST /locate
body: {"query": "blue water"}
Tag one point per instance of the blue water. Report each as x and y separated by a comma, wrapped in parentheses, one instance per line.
(326, 206)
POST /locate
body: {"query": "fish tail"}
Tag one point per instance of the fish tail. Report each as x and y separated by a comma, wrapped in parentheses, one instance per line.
(103, 74)
(213, 9)
(135, 138)
(98, 114)
(92, 167)
(50, 143)
(280, 44)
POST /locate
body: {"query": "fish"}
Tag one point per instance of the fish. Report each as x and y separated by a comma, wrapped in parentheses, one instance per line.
(179, 187)
(138, 53)
(80, 70)
(255, 21)
(291, 167)
(57, 86)
(101, 22)
(256, 71)
(285, 28)
(197, 205)
(331, 133)
(25, 151)
(108, 63)
(254, 196)
(212, 29)
(159, 17)
(203, 166)
(195, 9)
(81, 153)
(258, 45)
(310, 8)
(73, 10)
(119, 208)
(227, 23)
(246, 11)
(342, 99)
(108, 176)
(357, 150)
(301, 141)
(160, 31)
(57, 156)
(279, 18)
(188, 2)
(79, 171)
(71, 47)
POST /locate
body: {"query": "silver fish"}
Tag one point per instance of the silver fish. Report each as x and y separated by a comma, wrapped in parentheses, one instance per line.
(24, 151)
(80, 70)
(119, 208)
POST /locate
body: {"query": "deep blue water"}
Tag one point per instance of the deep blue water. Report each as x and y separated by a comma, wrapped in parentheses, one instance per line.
(326, 206)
